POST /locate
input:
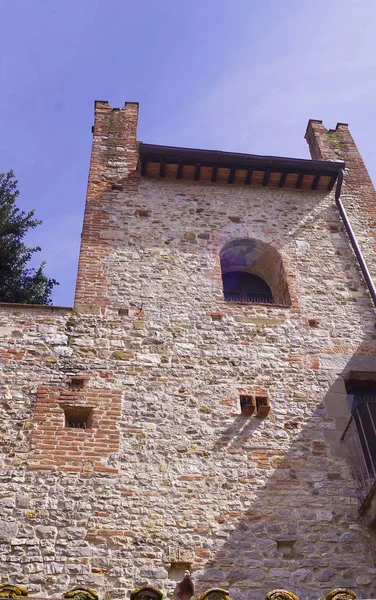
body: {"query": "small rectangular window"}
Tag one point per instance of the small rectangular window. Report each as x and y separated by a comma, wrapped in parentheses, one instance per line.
(143, 212)
(286, 547)
(78, 417)
(262, 406)
(216, 316)
(247, 405)
(76, 383)
(314, 322)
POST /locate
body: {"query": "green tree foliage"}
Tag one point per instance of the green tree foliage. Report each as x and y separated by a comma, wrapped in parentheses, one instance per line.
(18, 282)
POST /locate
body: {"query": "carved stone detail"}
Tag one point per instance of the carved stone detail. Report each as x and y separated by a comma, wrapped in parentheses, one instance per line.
(281, 595)
(179, 554)
(341, 594)
(146, 593)
(80, 593)
(215, 594)
(12, 591)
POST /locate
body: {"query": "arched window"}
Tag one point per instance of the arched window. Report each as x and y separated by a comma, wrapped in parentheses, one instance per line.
(252, 271)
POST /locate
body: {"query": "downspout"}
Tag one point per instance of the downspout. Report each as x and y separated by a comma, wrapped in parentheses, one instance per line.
(354, 243)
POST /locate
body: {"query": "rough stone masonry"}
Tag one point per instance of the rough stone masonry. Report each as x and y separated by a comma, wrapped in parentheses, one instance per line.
(161, 470)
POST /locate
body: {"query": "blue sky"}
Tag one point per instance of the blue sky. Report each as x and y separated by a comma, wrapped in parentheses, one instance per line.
(240, 75)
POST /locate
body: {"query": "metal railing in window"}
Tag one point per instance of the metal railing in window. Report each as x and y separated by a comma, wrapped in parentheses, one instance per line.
(360, 438)
(237, 297)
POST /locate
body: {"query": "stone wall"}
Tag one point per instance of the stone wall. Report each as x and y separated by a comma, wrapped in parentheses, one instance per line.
(358, 193)
(250, 504)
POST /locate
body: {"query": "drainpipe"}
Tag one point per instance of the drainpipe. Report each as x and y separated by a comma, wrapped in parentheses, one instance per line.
(354, 243)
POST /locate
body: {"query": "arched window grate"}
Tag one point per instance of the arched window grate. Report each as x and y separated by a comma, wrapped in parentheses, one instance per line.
(240, 286)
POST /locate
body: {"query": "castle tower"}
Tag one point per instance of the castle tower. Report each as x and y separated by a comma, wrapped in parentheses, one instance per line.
(204, 405)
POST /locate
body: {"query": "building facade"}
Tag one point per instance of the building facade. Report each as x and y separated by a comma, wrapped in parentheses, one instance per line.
(208, 402)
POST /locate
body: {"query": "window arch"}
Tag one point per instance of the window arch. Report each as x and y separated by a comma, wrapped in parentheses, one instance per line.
(252, 271)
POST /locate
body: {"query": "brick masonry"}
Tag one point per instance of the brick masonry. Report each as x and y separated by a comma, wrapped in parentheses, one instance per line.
(358, 193)
(251, 504)
(73, 449)
(114, 160)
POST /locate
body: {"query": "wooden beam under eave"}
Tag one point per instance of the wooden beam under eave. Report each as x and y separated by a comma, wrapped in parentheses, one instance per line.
(248, 177)
(162, 169)
(265, 179)
(197, 172)
(315, 181)
(231, 175)
(331, 183)
(299, 181)
(179, 173)
(282, 180)
(214, 174)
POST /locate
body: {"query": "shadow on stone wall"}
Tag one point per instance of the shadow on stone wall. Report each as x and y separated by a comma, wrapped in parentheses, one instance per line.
(302, 530)
(233, 436)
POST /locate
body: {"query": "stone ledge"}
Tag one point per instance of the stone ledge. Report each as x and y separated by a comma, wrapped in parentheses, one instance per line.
(50, 307)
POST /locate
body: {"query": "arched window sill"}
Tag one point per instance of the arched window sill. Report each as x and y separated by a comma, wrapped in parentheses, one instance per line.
(263, 304)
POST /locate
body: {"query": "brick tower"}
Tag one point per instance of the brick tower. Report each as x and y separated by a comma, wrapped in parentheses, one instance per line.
(208, 403)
